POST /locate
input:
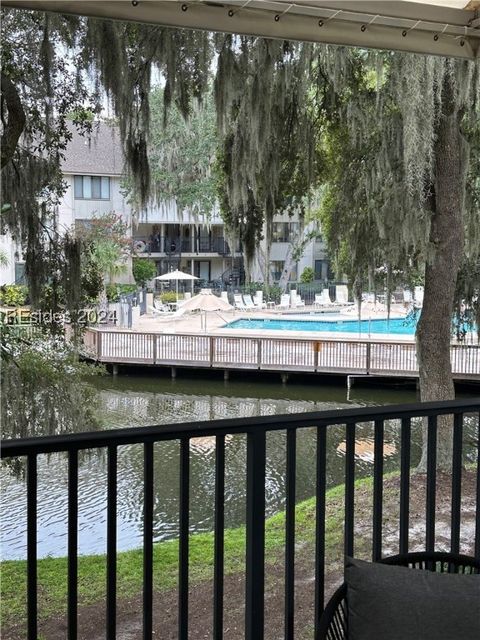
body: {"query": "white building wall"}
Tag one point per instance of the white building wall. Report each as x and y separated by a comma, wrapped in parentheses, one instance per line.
(8, 248)
(72, 208)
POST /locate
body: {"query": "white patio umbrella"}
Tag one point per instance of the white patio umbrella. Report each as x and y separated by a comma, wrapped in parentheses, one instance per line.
(176, 275)
(206, 301)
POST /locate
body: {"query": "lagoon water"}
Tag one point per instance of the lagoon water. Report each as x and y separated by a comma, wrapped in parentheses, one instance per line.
(140, 401)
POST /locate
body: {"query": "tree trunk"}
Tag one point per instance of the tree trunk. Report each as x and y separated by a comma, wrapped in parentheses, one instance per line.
(446, 247)
(13, 129)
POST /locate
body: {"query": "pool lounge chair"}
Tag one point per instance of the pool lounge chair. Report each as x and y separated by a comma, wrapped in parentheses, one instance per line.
(238, 302)
(249, 304)
(419, 295)
(322, 299)
(296, 301)
(224, 296)
(164, 313)
(284, 302)
(407, 296)
(159, 308)
(341, 295)
(258, 300)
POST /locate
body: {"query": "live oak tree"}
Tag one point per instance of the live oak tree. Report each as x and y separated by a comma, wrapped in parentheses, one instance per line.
(182, 155)
(268, 160)
(404, 193)
(405, 128)
(58, 69)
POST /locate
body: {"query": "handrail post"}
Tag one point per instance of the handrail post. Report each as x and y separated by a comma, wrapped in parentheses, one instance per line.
(255, 530)
(259, 353)
(99, 345)
(368, 357)
(211, 348)
(154, 348)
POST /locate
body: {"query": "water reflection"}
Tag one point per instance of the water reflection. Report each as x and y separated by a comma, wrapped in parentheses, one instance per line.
(142, 401)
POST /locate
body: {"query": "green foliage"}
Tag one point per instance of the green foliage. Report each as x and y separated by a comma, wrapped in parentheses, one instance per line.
(182, 154)
(378, 208)
(114, 291)
(308, 275)
(39, 375)
(3, 259)
(92, 277)
(268, 161)
(57, 70)
(45, 89)
(13, 295)
(106, 243)
(143, 271)
(170, 296)
(271, 293)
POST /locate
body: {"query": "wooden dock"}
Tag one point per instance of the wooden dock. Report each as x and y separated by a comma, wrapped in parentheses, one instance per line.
(285, 355)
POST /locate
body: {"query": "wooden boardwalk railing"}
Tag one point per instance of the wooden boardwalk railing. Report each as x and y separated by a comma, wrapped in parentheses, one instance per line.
(271, 353)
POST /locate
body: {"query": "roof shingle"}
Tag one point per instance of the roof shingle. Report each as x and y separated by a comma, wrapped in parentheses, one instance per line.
(99, 153)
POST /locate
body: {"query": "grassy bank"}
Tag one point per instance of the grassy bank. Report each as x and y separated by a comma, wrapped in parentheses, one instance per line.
(52, 572)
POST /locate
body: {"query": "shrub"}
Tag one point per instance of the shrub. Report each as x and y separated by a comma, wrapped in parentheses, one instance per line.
(308, 275)
(143, 271)
(170, 296)
(114, 291)
(13, 295)
(271, 293)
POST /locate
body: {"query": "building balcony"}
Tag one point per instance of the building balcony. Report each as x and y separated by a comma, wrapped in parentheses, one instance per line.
(144, 246)
(396, 511)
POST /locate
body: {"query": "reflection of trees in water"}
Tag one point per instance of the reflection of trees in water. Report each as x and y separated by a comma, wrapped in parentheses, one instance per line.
(120, 408)
(123, 408)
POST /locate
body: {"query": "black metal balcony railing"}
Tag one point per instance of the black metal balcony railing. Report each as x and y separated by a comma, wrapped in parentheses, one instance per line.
(175, 245)
(256, 430)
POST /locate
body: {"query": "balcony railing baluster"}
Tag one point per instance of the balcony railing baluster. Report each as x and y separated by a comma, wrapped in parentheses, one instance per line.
(255, 556)
(255, 429)
(477, 503)
(112, 543)
(321, 475)
(219, 538)
(147, 540)
(184, 539)
(349, 487)
(72, 544)
(377, 513)
(431, 483)
(405, 444)
(32, 546)
(290, 534)
(456, 483)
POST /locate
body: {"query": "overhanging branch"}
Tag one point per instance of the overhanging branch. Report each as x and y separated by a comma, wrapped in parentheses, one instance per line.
(15, 123)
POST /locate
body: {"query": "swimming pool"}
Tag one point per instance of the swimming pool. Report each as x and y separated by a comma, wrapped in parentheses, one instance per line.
(401, 326)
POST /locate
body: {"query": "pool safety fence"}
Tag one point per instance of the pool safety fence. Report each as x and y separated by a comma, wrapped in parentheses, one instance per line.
(304, 355)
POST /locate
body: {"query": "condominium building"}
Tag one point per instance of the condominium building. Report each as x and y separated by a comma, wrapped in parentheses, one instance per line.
(93, 171)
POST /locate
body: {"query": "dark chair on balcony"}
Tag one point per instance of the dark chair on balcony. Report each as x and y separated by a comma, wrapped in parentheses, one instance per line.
(333, 624)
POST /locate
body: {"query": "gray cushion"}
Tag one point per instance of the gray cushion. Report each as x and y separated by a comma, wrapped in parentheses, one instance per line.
(387, 602)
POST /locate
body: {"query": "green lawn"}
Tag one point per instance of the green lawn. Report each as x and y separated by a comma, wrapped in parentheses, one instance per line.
(52, 572)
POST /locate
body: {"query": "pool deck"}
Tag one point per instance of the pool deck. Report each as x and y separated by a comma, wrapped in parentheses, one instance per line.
(183, 342)
(216, 321)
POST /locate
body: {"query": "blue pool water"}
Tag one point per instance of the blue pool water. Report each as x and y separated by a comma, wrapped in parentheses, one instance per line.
(394, 325)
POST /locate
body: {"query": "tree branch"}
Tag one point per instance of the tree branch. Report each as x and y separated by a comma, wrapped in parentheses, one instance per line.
(16, 119)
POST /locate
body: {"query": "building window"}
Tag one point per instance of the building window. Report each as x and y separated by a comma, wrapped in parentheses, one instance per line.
(20, 273)
(285, 231)
(91, 188)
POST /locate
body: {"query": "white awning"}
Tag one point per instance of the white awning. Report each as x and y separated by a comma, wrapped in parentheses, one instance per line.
(439, 27)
